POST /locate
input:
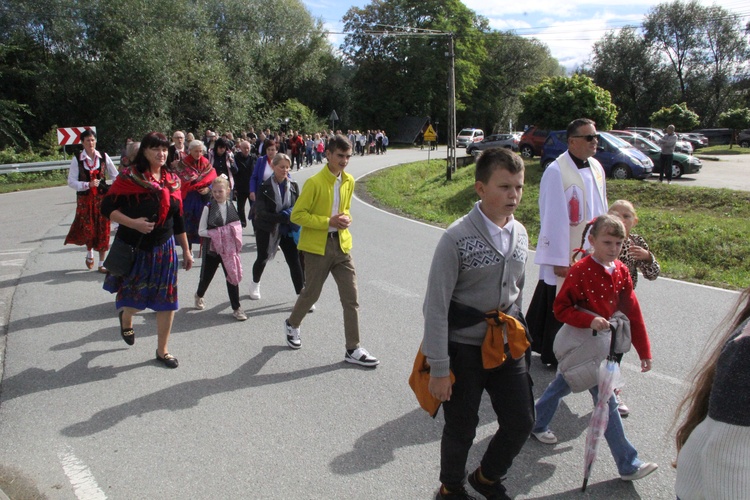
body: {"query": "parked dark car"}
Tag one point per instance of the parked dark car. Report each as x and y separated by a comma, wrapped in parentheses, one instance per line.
(697, 140)
(681, 163)
(716, 135)
(743, 138)
(532, 141)
(619, 159)
(508, 141)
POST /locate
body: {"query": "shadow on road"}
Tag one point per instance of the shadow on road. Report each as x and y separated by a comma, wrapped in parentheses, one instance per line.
(188, 394)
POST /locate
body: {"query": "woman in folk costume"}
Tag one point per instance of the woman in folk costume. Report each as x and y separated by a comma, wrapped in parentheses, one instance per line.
(146, 202)
(572, 192)
(196, 175)
(87, 177)
(273, 229)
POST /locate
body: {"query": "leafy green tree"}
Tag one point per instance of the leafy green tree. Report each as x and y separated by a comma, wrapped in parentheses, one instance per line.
(401, 71)
(736, 119)
(630, 69)
(557, 101)
(707, 50)
(678, 115)
(512, 64)
(10, 123)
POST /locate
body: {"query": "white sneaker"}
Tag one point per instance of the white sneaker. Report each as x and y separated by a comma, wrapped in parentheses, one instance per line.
(360, 356)
(312, 308)
(292, 336)
(644, 470)
(622, 408)
(239, 314)
(254, 290)
(546, 437)
(199, 303)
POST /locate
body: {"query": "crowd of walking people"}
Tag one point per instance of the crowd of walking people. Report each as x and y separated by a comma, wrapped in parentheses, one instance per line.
(193, 192)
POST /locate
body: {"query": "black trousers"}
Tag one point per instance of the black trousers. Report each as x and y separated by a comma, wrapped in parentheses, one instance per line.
(509, 388)
(242, 198)
(666, 166)
(292, 256)
(208, 270)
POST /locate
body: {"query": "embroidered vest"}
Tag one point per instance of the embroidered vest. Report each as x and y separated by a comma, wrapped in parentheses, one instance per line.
(84, 175)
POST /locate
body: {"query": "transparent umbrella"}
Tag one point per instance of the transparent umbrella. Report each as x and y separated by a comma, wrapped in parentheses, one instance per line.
(609, 378)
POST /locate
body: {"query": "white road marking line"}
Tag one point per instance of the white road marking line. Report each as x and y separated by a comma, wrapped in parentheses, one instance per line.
(12, 262)
(395, 290)
(80, 477)
(667, 378)
(17, 251)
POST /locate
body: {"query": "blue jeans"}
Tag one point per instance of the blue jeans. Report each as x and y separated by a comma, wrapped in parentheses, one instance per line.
(626, 457)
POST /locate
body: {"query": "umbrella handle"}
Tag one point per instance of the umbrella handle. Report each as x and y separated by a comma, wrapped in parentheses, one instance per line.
(612, 340)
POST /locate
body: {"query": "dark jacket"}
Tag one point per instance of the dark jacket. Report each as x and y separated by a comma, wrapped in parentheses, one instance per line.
(265, 206)
(245, 166)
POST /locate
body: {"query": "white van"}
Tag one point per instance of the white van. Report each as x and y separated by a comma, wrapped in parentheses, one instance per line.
(468, 136)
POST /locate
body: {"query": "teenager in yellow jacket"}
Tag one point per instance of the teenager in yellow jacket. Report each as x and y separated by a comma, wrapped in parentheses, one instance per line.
(322, 212)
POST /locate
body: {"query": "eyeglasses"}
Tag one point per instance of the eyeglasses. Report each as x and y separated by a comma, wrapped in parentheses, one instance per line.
(588, 138)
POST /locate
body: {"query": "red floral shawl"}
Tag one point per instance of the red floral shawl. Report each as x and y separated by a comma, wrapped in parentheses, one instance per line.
(194, 174)
(132, 182)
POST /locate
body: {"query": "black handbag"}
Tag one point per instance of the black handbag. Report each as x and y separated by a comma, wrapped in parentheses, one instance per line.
(120, 258)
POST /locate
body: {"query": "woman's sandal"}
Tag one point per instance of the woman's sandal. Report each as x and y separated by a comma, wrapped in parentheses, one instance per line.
(90, 262)
(127, 334)
(168, 360)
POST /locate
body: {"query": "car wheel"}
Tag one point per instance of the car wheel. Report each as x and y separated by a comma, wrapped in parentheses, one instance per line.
(527, 151)
(677, 170)
(545, 163)
(621, 171)
(745, 144)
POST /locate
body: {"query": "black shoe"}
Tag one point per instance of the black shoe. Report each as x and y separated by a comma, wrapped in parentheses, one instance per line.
(127, 334)
(168, 360)
(494, 491)
(456, 494)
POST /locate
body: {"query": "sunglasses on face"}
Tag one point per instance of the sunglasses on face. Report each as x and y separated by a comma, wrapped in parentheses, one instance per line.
(588, 138)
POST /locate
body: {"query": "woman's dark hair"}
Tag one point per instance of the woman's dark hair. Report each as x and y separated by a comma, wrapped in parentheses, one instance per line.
(150, 140)
(221, 143)
(269, 143)
(86, 133)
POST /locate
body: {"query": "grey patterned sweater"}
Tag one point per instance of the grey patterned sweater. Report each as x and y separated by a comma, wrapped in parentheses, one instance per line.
(469, 269)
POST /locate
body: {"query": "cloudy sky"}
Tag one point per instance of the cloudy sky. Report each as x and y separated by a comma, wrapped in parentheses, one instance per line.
(569, 28)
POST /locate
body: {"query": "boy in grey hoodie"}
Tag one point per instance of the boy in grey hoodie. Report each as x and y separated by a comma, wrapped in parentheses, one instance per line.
(479, 266)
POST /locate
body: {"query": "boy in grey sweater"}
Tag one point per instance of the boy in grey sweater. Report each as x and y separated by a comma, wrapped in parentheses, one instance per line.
(478, 267)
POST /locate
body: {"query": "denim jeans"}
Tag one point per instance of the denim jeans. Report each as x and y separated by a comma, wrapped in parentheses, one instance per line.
(626, 457)
(509, 388)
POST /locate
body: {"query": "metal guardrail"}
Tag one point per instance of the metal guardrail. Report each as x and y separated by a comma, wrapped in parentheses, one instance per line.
(40, 166)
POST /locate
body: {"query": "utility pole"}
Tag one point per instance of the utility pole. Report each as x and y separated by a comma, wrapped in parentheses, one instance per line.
(451, 142)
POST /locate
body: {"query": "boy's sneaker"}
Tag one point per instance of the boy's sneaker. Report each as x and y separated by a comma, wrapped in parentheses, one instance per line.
(546, 437)
(644, 470)
(239, 314)
(199, 303)
(494, 491)
(621, 406)
(254, 290)
(360, 356)
(292, 336)
(458, 494)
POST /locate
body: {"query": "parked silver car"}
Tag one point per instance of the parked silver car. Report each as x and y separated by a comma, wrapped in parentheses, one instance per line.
(508, 141)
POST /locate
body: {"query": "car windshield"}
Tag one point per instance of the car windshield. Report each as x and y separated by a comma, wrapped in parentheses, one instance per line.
(650, 144)
(616, 141)
(465, 132)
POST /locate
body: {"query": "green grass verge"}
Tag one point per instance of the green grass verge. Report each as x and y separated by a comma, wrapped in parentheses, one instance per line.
(32, 180)
(698, 234)
(722, 150)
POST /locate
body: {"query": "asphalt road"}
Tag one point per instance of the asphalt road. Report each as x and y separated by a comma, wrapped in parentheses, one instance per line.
(83, 416)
